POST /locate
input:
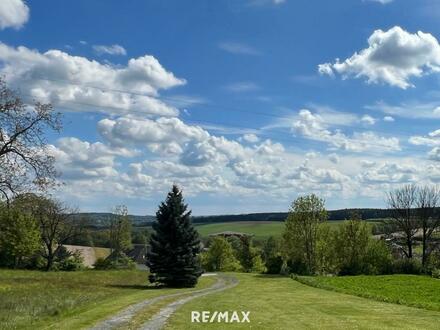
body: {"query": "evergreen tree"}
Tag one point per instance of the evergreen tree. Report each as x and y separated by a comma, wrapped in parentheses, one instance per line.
(173, 256)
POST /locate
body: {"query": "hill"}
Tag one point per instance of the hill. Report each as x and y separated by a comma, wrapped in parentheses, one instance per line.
(101, 219)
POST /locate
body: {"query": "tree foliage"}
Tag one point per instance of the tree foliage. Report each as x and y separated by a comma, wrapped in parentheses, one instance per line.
(175, 244)
(120, 230)
(55, 223)
(301, 231)
(19, 237)
(25, 160)
(220, 256)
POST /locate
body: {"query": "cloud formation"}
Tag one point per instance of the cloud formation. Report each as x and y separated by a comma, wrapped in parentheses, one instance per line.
(392, 57)
(313, 126)
(81, 84)
(110, 49)
(13, 14)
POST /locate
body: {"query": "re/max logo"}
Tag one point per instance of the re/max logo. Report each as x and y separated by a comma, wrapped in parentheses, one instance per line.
(220, 317)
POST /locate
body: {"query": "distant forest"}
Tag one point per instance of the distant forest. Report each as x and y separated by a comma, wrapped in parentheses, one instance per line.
(101, 219)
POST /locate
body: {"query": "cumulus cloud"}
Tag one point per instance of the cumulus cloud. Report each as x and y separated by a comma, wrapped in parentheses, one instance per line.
(81, 84)
(388, 119)
(162, 135)
(389, 173)
(313, 126)
(368, 120)
(251, 138)
(109, 49)
(392, 57)
(13, 14)
(78, 160)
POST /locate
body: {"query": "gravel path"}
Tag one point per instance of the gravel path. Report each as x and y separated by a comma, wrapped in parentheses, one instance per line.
(127, 314)
(158, 321)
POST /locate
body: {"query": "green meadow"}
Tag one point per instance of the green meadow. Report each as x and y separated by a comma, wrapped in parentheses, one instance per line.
(71, 300)
(277, 302)
(411, 290)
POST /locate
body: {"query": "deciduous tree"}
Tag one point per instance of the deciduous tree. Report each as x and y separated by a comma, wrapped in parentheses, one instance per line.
(301, 231)
(25, 161)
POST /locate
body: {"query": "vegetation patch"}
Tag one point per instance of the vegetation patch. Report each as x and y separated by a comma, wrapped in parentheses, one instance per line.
(411, 290)
(277, 302)
(71, 300)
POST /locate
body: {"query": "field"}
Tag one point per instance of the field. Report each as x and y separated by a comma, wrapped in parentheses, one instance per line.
(77, 300)
(260, 229)
(70, 300)
(410, 290)
(282, 303)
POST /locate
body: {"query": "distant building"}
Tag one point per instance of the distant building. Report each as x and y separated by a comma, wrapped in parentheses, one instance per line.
(227, 234)
(139, 253)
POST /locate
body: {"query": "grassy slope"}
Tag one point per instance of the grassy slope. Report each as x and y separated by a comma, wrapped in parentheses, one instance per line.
(281, 303)
(260, 230)
(411, 290)
(70, 300)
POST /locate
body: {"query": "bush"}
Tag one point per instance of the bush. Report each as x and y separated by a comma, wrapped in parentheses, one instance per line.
(436, 273)
(407, 266)
(274, 265)
(378, 259)
(115, 261)
(220, 257)
(433, 261)
(71, 263)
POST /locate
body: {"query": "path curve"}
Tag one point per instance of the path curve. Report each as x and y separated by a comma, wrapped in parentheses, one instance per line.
(158, 321)
(128, 313)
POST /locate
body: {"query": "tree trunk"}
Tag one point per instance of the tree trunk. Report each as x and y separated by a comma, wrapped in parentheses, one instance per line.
(410, 250)
(424, 247)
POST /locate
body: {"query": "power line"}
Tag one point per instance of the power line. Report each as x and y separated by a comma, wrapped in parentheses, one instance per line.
(128, 111)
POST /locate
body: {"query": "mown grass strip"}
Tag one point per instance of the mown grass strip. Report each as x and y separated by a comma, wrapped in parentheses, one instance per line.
(410, 290)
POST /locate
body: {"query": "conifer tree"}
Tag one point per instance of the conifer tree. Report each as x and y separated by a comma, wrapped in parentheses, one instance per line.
(174, 244)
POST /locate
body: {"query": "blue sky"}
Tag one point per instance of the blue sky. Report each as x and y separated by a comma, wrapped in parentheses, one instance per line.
(245, 104)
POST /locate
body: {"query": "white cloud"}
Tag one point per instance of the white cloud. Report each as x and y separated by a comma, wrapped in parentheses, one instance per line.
(389, 173)
(82, 85)
(368, 120)
(266, 2)
(383, 2)
(251, 138)
(78, 160)
(334, 158)
(110, 49)
(161, 135)
(388, 119)
(13, 13)
(392, 57)
(412, 109)
(313, 126)
(238, 48)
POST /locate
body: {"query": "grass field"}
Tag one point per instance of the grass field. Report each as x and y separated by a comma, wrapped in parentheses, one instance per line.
(70, 300)
(281, 303)
(410, 290)
(260, 229)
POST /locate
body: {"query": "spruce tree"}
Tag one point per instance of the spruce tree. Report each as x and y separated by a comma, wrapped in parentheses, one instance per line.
(174, 244)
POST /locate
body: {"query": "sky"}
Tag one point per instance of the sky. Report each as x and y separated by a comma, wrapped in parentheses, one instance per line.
(245, 104)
